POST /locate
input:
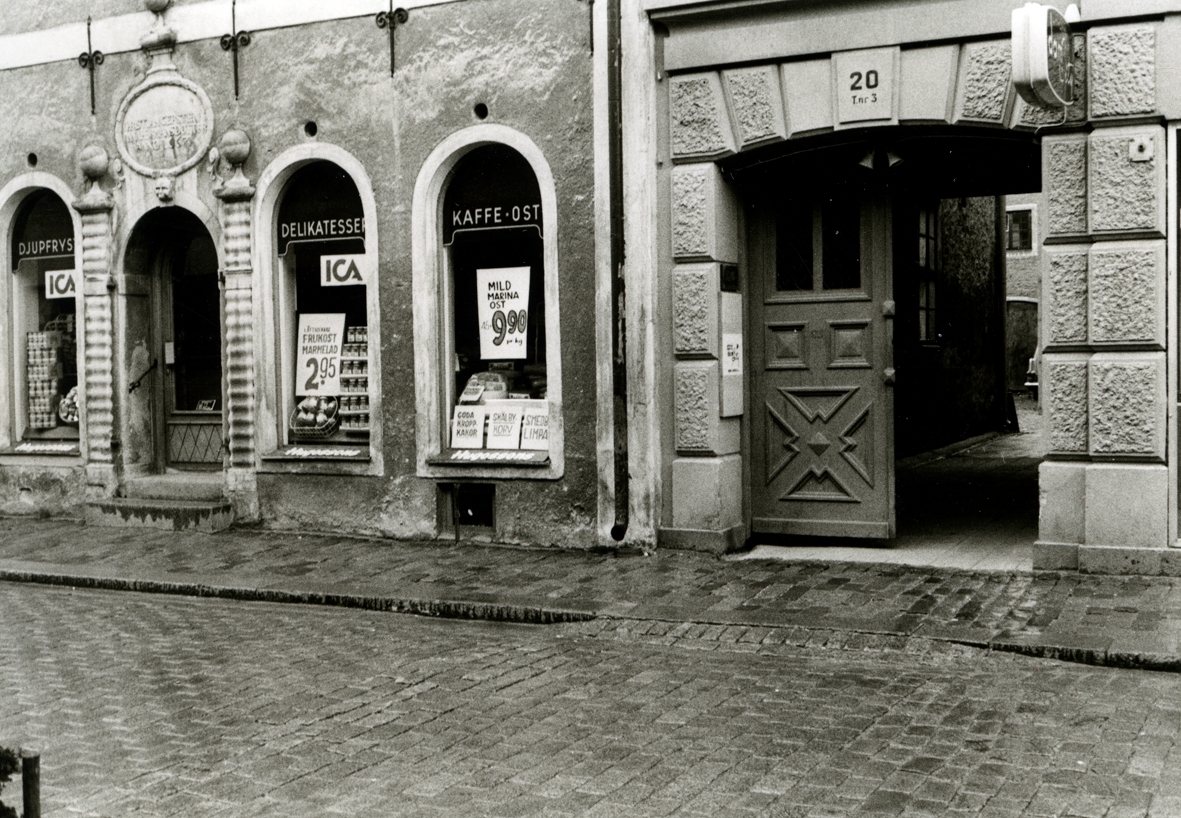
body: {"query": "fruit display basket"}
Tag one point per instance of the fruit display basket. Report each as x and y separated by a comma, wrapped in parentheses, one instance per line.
(315, 419)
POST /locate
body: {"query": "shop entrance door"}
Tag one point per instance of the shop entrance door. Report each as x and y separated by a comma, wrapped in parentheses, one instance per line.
(822, 459)
(188, 321)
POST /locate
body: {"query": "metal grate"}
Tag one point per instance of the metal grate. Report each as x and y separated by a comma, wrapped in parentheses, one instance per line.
(194, 443)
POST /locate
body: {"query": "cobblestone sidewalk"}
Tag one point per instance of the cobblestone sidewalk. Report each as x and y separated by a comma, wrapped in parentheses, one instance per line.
(1105, 620)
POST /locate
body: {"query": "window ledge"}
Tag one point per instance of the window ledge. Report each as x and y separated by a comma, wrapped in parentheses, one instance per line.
(318, 459)
(44, 448)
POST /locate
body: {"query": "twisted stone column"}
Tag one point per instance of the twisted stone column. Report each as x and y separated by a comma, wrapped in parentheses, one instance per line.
(98, 399)
(236, 222)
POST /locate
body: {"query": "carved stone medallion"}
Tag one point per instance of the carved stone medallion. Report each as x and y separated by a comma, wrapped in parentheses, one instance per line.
(164, 126)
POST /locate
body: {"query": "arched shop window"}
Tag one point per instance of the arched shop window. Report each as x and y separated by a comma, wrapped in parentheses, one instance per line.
(322, 300)
(45, 296)
(495, 339)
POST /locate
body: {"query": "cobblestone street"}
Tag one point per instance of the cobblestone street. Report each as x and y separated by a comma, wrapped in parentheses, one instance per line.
(165, 706)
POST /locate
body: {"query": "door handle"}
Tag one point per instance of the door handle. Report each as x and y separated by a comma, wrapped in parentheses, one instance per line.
(888, 376)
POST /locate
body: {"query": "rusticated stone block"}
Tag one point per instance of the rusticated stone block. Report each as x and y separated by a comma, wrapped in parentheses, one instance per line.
(700, 127)
(705, 214)
(1066, 297)
(1127, 292)
(1064, 390)
(1122, 63)
(985, 70)
(695, 309)
(698, 427)
(1126, 396)
(1126, 194)
(1065, 183)
(756, 105)
(1032, 117)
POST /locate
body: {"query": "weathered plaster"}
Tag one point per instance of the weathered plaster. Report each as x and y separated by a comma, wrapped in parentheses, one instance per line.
(1126, 412)
(1064, 388)
(1126, 289)
(699, 126)
(1122, 71)
(1125, 194)
(1065, 183)
(1066, 297)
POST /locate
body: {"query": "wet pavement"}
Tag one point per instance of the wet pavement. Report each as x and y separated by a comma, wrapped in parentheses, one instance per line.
(171, 707)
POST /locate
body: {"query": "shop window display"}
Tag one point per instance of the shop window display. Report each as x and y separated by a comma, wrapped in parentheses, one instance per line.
(323, 299)
(494, 234)
(45, 287)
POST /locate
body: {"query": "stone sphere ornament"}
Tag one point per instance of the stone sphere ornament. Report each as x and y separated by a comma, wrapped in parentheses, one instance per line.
(157, 6)
(94, 162)
(235, 146)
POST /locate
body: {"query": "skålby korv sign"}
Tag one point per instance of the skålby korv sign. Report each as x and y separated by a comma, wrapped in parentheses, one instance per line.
(1043, 56)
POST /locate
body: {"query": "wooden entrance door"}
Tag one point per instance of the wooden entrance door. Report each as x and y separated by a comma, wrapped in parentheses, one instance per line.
(189, 321)
(822, 454)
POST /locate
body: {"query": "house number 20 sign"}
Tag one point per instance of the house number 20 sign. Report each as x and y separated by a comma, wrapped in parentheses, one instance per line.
(864, 84)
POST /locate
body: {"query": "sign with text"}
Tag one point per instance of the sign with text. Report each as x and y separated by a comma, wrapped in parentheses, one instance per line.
(463, 218)
(317, 354)
(731, 353)
(1043, 56)
(504, 425)
(502, 304)
(61, 283)
(342, 271)
(535, 428)
(865, 84)
(467, 427)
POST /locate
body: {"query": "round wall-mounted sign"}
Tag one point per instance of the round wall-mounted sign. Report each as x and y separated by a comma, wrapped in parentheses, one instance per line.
(164, 126)
(1043, 56)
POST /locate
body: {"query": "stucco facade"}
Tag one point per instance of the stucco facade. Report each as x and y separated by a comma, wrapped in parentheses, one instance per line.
(305, 86)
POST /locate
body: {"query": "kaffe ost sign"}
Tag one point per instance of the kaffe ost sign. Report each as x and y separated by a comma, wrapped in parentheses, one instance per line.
(488, 216)
(1043, 56)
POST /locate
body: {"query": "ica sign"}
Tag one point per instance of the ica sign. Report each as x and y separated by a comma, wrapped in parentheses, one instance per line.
(60, 284)
(1043, 56)
(341, 271)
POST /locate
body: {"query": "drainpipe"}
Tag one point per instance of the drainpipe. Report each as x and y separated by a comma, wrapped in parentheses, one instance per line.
(618, 294)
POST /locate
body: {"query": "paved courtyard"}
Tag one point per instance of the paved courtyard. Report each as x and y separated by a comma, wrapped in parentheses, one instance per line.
(172, 706)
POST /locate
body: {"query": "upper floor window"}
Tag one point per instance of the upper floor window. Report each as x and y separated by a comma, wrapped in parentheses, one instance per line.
(1019, 230)
(45, 297)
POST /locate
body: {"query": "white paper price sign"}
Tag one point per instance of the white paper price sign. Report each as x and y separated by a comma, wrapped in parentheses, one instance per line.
(467, 427)
(535, 428)
(317, 354)
(504, 425)
(502, 302)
